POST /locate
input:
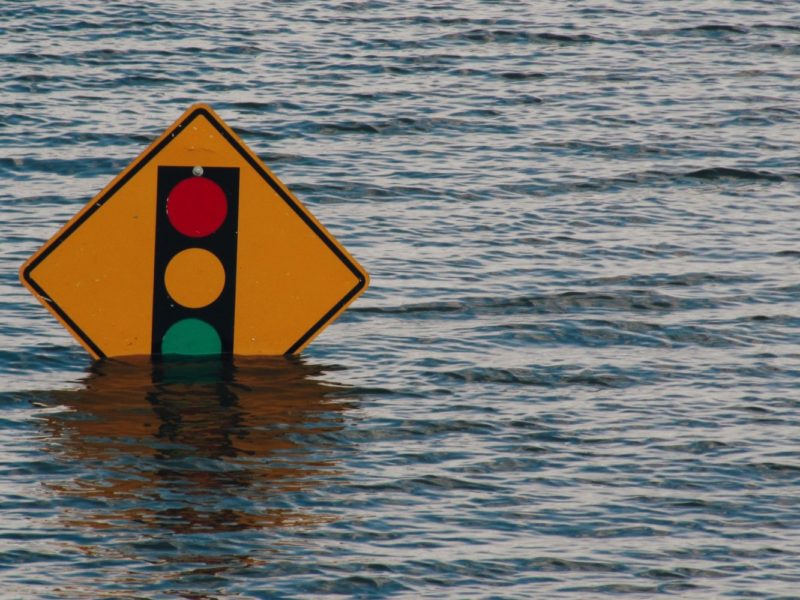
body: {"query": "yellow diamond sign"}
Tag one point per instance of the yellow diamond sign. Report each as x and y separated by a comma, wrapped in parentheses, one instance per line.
(196, 248)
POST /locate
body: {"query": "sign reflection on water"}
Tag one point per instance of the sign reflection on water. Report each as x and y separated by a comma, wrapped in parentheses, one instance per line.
(198, 446)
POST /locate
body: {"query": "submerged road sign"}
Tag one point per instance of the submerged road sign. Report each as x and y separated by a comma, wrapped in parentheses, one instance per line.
(195, 249)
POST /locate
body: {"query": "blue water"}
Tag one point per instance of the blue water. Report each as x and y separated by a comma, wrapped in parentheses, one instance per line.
(576, 373)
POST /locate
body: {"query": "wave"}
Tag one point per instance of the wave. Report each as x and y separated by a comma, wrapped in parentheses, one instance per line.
(83, 167)
(636, 300)
(548, 376)
(505, 36)
(707, 29)
(728, 172)
(645, 179)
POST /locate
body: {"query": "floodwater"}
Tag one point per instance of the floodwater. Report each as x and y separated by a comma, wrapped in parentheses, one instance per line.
(576, 373)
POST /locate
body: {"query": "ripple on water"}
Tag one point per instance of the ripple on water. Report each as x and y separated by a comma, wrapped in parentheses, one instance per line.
(575, 373)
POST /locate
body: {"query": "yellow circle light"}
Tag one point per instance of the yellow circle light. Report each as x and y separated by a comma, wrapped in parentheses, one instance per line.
(194, 278)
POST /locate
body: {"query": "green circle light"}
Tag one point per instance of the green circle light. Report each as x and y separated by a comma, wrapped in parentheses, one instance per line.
(191, 337)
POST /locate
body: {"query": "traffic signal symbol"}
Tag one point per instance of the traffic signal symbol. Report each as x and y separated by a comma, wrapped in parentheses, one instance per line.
(194, 285)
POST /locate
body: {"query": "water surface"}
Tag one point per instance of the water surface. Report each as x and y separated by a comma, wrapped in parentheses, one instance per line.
(575, 373)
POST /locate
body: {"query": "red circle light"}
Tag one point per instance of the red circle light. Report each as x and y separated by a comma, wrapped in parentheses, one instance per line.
(197, 207)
